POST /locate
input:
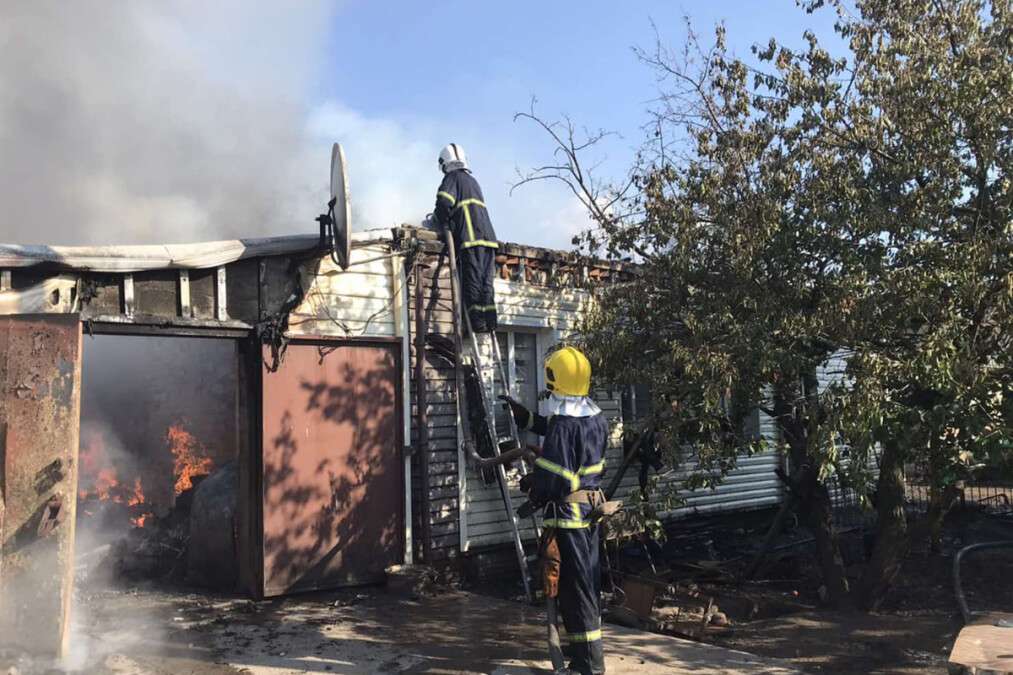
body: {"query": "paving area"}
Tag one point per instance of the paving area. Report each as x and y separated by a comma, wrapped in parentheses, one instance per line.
(371, 631)
(454, 632)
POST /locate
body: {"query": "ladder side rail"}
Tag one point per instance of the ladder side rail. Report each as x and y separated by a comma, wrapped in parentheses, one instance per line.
(458, 313)
(515, 434)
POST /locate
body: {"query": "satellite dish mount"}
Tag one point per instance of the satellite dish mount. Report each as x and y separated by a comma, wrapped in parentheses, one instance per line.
(336, 224)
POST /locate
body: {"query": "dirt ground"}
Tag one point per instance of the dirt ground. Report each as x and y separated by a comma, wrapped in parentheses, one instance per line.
(780, 615)
(152, 630)
(160, 629)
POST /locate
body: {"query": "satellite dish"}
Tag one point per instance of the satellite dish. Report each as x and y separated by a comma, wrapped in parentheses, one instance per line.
(341, 209)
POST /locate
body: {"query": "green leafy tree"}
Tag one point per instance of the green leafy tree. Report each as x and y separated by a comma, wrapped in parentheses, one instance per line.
(803, 209)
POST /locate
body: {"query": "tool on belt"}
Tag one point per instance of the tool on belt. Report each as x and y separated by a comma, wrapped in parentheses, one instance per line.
(551, 563)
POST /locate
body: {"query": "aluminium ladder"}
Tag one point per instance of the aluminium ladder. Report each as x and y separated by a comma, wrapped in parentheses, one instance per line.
(489, 424)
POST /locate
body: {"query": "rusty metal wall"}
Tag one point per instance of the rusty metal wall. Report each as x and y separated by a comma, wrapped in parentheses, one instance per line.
(40, 374)
(332, 481)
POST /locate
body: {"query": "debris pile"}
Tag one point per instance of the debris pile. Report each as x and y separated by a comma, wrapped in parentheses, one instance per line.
(156, 550)
(136, 519)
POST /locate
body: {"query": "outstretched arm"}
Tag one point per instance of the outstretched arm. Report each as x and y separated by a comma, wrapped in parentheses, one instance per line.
(524, 418)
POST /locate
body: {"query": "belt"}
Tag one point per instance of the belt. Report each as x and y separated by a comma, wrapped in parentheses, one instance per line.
(600, 507)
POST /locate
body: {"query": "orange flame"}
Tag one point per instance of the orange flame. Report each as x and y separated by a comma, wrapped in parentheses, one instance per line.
(190, 457)
(105, 483)
(97, 470)
(100, 480)
(137, 499)
(138, 496)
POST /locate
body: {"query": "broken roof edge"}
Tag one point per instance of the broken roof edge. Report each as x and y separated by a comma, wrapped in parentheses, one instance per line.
(511, 249)
(137, 258)
(202, 255)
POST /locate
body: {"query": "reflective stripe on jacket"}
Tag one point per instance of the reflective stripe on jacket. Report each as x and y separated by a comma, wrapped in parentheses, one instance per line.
(461, 207)
(573, 458)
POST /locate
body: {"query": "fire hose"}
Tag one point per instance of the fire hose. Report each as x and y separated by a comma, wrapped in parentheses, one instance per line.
(505, 457)
(958, 587)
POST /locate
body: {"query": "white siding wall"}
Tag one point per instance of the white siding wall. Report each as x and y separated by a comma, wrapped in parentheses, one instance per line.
(554, 313)
(829, 374)
(355, 302)
(752, 484)
(832, 372)
(551, 314)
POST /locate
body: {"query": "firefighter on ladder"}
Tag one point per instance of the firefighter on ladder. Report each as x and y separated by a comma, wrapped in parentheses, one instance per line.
(566, 484)
(460, 209)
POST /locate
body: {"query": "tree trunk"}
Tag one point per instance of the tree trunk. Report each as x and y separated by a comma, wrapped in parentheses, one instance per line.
(939, 505)
(817, 505)
(811, 495)
(787, 507)
(892, 540)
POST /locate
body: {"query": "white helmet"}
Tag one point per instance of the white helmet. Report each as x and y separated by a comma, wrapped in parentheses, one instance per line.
(452, 158)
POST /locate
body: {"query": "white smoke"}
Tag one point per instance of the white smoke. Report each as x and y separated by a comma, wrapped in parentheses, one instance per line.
(183, 121)
(144, 122)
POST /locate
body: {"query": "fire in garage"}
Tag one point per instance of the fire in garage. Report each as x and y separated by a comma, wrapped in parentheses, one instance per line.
(158, 417)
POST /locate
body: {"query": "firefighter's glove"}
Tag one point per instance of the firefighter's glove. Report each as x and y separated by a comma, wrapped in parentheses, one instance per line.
(522, 416)
(527, 482)
(526, 510)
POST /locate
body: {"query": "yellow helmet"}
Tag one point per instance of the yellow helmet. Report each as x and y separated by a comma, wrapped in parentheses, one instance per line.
(568, 372)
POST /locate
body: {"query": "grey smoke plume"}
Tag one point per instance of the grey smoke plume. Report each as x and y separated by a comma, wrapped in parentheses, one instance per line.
(180, 121)
(157, 122)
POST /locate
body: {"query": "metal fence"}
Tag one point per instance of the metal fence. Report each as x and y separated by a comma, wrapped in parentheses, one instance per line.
(989, 495)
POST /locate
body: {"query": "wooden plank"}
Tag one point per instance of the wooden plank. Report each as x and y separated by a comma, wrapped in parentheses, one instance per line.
(305, 325)
(443, 492)
(443, 529)
(445, 546)
(362, 284)
(437, 468)
(443, 481)
(984, 646)
(561, 303)
(351, 286)
(444, 444)
(345, 308)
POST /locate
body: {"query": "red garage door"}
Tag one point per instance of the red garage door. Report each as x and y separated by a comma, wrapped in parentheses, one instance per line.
(333, 489)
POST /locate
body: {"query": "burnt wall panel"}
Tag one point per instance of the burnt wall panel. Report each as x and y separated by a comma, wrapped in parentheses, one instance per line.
(156, 293)
(102, 295)
(26, 278)
(242, 281)
(277, 283)
(202, 293)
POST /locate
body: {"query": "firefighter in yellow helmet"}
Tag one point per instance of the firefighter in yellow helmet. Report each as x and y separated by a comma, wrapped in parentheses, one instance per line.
(565, 484)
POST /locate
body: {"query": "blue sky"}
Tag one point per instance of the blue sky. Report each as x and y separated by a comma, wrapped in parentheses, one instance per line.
(174, 120)
(465, 68)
